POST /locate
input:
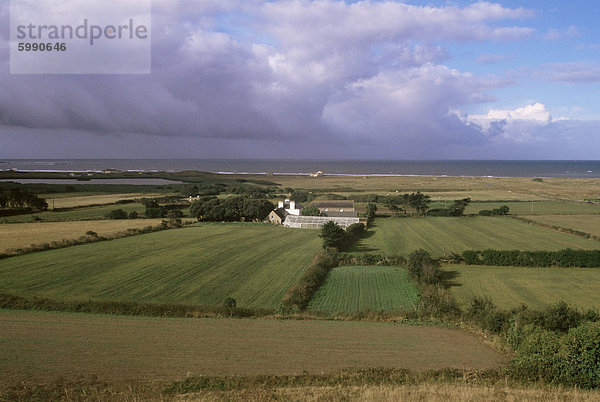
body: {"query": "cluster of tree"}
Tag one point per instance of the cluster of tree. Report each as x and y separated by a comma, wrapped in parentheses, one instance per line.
(424, 269)
(558, 344)
(155, 210)
(520, 258)
(335, 237)
(18, 199)
(413, 203)
(231, 209)
(456, 209)
(503, 210)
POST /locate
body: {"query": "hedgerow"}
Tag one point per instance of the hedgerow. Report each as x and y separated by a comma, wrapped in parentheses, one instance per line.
(520, 258)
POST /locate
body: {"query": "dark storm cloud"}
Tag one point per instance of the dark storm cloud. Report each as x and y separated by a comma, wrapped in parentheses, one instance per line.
(233, 78)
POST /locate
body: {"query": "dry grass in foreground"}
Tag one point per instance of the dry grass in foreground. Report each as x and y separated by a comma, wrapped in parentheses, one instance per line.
(420, 392)
(21, 235)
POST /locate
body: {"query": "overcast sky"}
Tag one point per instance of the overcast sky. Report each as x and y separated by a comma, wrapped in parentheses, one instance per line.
(328, 79)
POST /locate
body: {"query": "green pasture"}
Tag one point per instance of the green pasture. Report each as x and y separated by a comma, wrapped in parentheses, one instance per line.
(355, 288)
(511, 287)
(441, 236)
(534, 207)
(75, 214)
(202, 264)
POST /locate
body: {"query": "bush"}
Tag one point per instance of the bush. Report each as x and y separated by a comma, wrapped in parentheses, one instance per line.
(581, 356)
(229, 302)
(422, 268)
(117, 214)
(437, 301)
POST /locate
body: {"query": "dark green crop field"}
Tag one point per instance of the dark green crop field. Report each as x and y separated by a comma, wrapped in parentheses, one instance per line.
(356, 288)
(442, 236)
(202, 265)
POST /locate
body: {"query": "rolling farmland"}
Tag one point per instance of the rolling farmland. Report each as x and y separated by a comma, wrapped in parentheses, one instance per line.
(511, 287)
(444, 235)
(201, 265)
(356, 288)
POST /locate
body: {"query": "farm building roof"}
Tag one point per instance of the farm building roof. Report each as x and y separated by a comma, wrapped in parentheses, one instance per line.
(349, 204)
(315, 222)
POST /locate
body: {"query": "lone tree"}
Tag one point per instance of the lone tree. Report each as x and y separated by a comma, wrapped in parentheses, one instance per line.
(333, 235)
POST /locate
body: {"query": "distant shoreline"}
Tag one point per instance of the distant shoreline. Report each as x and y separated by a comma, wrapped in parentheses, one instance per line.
(365, 168)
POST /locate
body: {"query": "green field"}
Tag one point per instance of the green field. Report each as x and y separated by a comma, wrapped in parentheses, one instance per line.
(442, 236)
(582, 223)
(76, 214)
(352, 289)
(536, 287)
(535, 207)
(200, 265)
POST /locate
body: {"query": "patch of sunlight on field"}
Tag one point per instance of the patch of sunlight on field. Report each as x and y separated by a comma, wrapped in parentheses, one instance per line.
(71, 200)
(510, 287)
(21, 235)
(441, 236)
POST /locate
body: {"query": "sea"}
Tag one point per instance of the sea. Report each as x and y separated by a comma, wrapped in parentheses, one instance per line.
(481, 168)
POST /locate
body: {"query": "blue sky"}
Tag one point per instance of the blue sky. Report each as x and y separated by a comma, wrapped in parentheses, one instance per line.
(328, 79)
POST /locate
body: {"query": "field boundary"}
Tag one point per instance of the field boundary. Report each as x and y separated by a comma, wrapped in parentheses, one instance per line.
(557, 228)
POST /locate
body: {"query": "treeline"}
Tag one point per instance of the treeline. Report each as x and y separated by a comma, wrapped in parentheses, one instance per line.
(17, 199)
(503, 210)
(521, 258)
(300, 294)
(231, 209)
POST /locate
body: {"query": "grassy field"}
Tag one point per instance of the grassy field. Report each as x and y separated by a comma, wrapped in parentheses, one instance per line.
(352, 289)
(43, 346)
(538, 207)
(77, 214)
(201, 265)
(536, 287)
(478, 188)
(20, 235)
(444, 235)
(71, 200)
(586, 224)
